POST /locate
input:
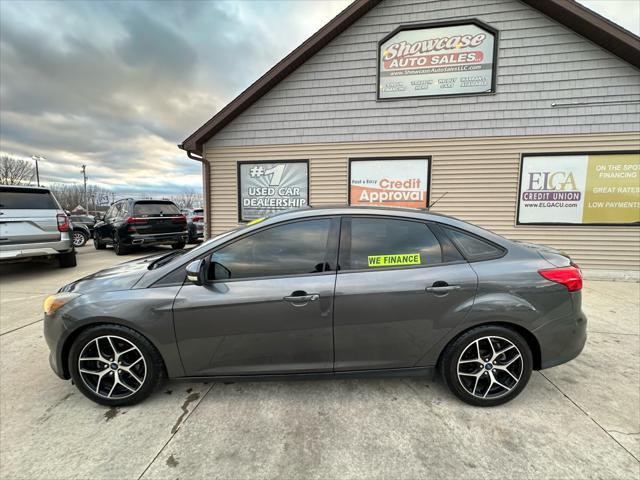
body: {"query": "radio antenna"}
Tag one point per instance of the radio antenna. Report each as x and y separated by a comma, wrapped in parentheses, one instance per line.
(439, 198)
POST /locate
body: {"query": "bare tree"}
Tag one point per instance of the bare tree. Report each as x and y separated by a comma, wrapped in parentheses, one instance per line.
(187, 198)
(16, 171)
(71, 195)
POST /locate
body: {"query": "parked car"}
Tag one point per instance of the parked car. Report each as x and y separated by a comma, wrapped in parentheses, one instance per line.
(80, 234)
(32, 224)
(86, 220)
(195, 224)
(130, 223)
(333, 292)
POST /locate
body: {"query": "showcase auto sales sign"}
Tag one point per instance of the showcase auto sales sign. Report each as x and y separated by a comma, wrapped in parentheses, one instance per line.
(444, 60)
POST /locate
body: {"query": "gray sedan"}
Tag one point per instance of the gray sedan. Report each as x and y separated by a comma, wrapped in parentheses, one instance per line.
(332, 292)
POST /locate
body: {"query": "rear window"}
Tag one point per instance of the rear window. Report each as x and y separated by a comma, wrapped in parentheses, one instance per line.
(155, 209)
(198, 211)
(27, 199)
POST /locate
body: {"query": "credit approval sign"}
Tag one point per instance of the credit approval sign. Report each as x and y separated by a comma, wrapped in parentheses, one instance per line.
(600, 188)
(437, 59)
(391, 182)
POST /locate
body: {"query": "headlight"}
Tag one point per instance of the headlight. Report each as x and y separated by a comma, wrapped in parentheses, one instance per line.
(53, 302)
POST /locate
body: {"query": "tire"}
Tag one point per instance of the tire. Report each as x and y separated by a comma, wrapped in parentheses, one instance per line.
(118, 247)
(476, 384)
(67, 260)
(79, 239)
(137, 372)
(97, 243)
(178, 246)
(192, 234)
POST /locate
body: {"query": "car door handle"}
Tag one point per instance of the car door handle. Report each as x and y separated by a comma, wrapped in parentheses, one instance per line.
(440, 288)
(300, 299)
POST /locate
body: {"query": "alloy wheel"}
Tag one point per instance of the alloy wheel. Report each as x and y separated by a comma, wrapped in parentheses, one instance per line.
(490, 367)
(112, 367)
(78, 239)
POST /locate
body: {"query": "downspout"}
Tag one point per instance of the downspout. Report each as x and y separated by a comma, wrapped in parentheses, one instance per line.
(206, 186)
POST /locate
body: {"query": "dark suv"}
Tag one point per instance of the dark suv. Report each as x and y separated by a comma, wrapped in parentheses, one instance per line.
(131, 222)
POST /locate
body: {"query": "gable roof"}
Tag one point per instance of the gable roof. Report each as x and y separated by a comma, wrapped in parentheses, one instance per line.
(569, 13)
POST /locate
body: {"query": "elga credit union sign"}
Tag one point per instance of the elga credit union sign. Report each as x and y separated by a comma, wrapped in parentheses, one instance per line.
(269, 187)
(389, 182)
(587, 188)
(418, 61)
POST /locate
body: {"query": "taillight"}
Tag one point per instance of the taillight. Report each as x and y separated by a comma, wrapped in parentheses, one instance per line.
(197, 218)
(570, 277)
(136, 220)
(180, 219)
(63, 222)
(133, 221)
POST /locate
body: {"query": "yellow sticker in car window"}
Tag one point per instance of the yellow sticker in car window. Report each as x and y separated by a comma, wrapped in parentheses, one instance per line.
(257, 220)
(394, 260)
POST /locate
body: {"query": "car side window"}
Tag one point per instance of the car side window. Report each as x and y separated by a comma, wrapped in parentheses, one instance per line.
(291, 249)
(372, 243)
(472, 247)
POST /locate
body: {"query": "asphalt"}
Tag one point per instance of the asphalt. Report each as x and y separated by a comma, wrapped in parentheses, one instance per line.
(579, 420)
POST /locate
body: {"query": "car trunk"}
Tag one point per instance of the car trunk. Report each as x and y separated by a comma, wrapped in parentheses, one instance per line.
(152, 218)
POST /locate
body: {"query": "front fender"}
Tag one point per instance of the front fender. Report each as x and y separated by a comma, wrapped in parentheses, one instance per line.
(147, 311)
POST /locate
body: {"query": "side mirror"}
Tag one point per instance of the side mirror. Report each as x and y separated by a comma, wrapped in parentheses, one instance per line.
(196, 272)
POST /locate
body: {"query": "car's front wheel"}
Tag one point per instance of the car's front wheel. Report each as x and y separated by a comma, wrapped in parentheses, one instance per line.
(114, 365)
(487, 366)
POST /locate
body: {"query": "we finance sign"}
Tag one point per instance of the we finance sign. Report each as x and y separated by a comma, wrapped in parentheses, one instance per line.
(437, 59)
(390, 182)
(601, 188)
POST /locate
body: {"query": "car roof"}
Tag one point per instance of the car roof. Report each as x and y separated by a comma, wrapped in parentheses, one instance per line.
(312, 211)
(24, 188)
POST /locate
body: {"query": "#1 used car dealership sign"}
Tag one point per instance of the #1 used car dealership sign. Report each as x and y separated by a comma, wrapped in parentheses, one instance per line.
(269, 187)
(437, 59)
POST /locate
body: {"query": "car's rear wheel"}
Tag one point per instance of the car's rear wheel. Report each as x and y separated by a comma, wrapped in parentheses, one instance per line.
(114, 365)
(118, 247)
(487, 366)
(79, 239)
(178, 246)
(67, 260)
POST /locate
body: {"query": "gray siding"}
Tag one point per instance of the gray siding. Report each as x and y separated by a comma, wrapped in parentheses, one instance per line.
(332, 97)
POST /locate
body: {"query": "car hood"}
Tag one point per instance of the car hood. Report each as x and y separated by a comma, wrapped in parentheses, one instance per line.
(120, 277)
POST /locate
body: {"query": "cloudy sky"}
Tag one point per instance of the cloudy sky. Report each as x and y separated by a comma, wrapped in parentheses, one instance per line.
(116, 85)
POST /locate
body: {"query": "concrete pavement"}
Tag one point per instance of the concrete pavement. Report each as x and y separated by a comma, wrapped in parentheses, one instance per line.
(579, 420)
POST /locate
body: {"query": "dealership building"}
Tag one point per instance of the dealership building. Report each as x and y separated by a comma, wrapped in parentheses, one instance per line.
(520, 116)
